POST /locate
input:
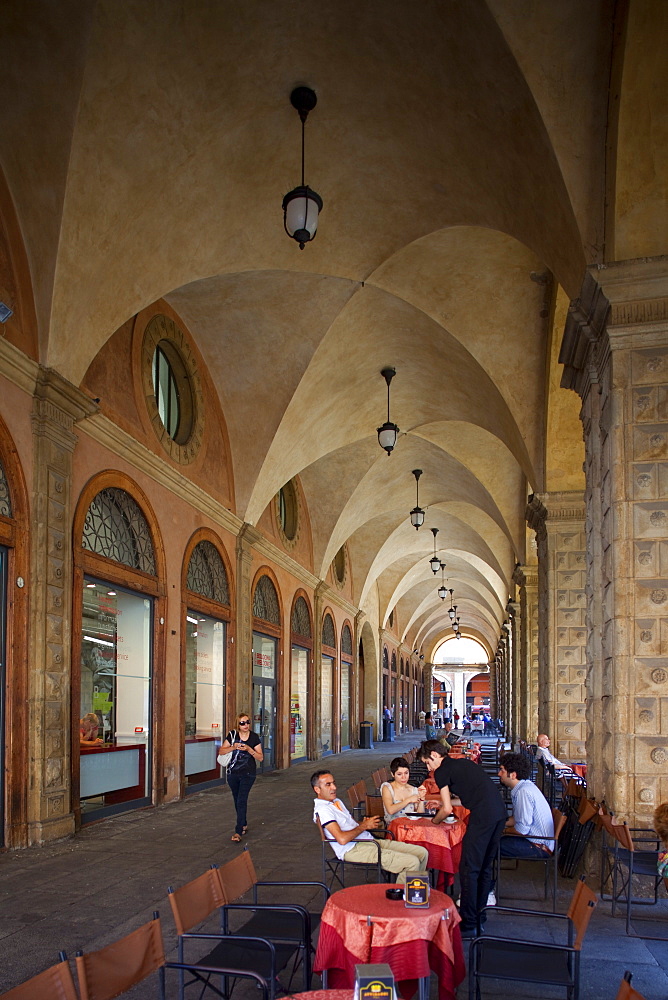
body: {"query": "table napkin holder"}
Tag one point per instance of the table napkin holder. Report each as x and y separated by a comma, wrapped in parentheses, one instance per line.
(374, 982)
(416, 895)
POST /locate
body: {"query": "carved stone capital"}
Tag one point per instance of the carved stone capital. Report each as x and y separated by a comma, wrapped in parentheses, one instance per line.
(57, 406)
(536, 513)
(568, 505)
(585, 324)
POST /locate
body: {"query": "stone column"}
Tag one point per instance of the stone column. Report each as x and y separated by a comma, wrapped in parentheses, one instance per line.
(243, 682)
(615, 352)
(559, 522)
(493, 687)
(514, 670)
(526, 577)
(57, 405)
(428, 675)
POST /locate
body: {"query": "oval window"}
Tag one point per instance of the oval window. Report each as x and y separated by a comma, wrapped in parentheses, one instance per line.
(171, 386)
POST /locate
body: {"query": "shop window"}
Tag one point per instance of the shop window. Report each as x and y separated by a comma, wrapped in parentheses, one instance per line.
(300, 626)
(115, 701)
(326, 704)
(116, 528)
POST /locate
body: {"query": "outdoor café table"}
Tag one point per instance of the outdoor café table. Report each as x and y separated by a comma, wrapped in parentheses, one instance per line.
(443, 842)
(323, 995)
(361, 926)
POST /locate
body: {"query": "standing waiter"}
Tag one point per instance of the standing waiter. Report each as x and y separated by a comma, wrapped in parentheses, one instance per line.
(478, 793)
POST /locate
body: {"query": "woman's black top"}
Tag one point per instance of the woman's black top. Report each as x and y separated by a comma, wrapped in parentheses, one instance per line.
(242, 762)
(476, 789)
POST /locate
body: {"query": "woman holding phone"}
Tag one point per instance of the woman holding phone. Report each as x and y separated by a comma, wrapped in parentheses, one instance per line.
(246, 752)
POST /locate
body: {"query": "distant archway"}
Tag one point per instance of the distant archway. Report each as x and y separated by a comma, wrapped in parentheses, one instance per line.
(464, 650)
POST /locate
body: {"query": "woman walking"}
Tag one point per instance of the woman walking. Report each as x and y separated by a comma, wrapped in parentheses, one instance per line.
(246, 752)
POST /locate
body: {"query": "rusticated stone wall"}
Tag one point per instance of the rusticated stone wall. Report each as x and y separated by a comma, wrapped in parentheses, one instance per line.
(526, 578)
(616, 351)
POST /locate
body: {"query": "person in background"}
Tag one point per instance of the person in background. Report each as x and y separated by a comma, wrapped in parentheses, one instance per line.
(241, 769)
(89, 727)
(340, 828)
(477, 793)
(450, 738)
(421, 717)
(455, 718)
(398, 796)
(429, 728)
(543, 752)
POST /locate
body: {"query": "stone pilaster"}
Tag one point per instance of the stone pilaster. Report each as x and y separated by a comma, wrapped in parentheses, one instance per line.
(247, 538)
(356, 691)
(615, 351)
(318, 604)
(494, 687)
(514, 672)
(428, 675)
(57, 405)
(558, 520)
(526, 578)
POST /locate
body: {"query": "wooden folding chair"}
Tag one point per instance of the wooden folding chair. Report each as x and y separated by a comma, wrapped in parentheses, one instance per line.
(626, 991)
(113, 970)
(55, 983)
(492, 956)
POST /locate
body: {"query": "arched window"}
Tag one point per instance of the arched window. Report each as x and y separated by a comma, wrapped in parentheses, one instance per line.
(300, 663)
(328, 634)
(115, 527)
(207, 575)
(205, 654)
(347, 641)
(265, 602)
(115, 658)
(266, 633)
(301, 619)
(5, 499)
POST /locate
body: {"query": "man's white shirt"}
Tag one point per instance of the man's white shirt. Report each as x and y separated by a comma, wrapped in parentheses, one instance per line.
(532, 814)
(336, 812)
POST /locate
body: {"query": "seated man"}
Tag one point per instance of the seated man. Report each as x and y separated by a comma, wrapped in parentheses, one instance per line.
(543, 752)
(340, 828)
(450, 737)
(532, 817)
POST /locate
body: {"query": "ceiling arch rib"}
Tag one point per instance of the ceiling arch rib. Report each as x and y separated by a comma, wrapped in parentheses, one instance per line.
(337, 404)
(428, 606)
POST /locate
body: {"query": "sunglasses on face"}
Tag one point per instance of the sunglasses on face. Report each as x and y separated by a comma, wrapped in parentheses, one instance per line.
(244, 722)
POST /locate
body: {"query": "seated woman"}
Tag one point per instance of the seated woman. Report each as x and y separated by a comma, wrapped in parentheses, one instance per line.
(88, 730)
(398, 796)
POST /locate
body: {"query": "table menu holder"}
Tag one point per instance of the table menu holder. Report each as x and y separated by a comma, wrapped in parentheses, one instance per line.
(374, 982)
(417, 892)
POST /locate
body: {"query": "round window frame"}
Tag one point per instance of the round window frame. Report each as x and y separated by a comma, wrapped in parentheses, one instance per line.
(162, 331)
(340, 580)
(293, 512)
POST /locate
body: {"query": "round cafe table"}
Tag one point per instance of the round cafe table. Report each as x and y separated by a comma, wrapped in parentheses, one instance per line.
(443, 842)
(360, 926)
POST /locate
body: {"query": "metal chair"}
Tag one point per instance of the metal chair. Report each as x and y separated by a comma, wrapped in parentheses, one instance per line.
(626, 991)
(112, 971)
(495, 957)
(550, 861)
(622, 861)
(55, 983)
(335, 867)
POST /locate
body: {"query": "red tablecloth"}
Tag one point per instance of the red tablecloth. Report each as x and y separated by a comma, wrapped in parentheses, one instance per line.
(443, 842)
(580, 770)
(361, 926)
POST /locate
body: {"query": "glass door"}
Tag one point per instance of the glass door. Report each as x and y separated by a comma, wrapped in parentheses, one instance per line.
(345, 706)
(264, 701)
(326, 705)
(298, 702)
(204, 701)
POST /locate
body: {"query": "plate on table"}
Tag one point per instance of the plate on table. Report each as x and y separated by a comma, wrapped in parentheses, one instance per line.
(450, 819)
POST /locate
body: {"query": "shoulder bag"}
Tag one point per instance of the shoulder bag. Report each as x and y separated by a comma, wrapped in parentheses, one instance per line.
(225, 758)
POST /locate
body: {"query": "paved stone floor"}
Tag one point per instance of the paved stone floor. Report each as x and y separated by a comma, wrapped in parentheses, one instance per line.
(86, 892)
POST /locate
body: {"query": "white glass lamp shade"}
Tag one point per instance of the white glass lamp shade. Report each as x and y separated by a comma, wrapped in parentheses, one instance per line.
(435, 564)
(451, 612)
(417, 517)
(301, 208)
(387, 436)
(442, 593)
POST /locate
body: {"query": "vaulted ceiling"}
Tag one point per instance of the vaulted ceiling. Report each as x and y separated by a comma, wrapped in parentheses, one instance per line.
(459, 148)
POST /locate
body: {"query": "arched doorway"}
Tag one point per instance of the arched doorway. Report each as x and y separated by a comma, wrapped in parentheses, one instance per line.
(327, 685)
(345, 694)
(301, 658)
(207, 616)
(117, 586)
(266, 638)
